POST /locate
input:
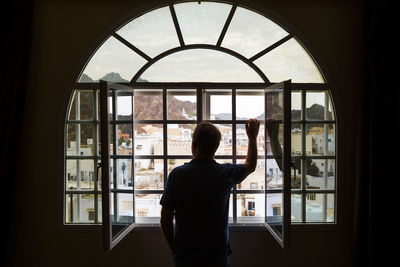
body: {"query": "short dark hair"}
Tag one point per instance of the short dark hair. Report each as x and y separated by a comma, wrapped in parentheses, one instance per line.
(207, 138)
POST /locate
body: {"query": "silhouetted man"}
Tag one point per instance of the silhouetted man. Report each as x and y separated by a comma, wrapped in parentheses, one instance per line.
(197, 194)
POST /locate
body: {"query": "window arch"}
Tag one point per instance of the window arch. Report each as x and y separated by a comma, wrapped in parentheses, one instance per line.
(181, 43)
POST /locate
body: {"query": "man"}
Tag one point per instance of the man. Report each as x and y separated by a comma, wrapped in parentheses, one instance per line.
(197, 194)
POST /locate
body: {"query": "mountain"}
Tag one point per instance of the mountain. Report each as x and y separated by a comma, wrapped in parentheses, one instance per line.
(109, 77)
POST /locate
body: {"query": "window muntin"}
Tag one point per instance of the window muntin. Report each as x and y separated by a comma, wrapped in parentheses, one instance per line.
(153, 32)
(289, 61)
(113, 62)
(201, 23)
(250, 33)
(201, 65)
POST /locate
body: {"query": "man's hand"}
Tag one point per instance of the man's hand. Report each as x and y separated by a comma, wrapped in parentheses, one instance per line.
(252, 127)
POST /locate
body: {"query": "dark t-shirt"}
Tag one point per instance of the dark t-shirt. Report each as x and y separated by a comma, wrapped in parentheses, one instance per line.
(199, 192)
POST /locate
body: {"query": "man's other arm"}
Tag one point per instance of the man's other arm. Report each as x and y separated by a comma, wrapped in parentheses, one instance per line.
(167, 226)
(252, 127)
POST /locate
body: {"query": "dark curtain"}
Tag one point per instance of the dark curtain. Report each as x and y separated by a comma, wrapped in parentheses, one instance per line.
(376, 210)
(16, 28)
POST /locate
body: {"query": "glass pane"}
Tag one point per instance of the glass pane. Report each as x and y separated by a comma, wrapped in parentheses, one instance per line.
(276, 142)
(320, 207)
(124, 139)
(181, 105)
(289, 61)
(149, 174)
(200, 65)
(124, 107)
(99, 208)
(112, 62)
(79, 208)
(230, 213)
(172, 163)
(250, 104)
(275, 212)
(223, 161)
(201, 23)
(250, 33)
(295, 174)
(147, 208)
(149, 139)
(296, 140)
(82, 106)
(148, 105)
(242, 140)
(124, 173)
(218, 105)
(153, 32)
(80, 174)
(180, 139)
(225, 145)
(80, 139)
(121, 212)
(320, 174)
(296, 204)
(318, 106)
(256, 180)
(274, 175)
(320, 139)
(250, 208)
(275, 104)
(296, 105)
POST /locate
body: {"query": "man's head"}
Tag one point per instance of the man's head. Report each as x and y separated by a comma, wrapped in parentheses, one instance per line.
(206, 138)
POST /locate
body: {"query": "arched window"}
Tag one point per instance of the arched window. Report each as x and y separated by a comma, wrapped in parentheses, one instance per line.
(184, 63)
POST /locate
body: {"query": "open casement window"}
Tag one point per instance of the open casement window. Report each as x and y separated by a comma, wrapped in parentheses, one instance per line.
(117, 201)
(278, 185)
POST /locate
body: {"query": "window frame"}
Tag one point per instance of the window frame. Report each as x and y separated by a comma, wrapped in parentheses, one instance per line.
(329, 87)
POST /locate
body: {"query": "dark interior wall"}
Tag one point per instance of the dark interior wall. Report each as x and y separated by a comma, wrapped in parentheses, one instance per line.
(63, 32)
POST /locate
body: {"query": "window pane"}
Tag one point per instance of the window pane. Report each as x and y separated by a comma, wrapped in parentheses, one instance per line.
(124, 173)
(275, 104)
(296, 141)
(320, 207)
(181, 105)
(82, 106)
(296, 204)
(149, 174)
(250, 208)
(275, 211)
(225, 145)
(180, 139)
(153, 32)
(124, 139)
(318, 106)
(201, 23)
(256, 180)
(147, 208)
(172, 163)
(296, 105)
(200, 65)
(250, 104)
(124, 107)
(218, 105)
(274, 175)
(121, 212)
(80, 174)
(242, 140)
(250, 33)
(320, 174)
(320, 139)
(80, 139)
(278, 142)
(149, 139)
(112, 62)
(148, 105)
(289, 61)
(79, 208)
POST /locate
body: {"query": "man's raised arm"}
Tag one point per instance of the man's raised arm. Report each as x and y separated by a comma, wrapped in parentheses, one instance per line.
(252, 127)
